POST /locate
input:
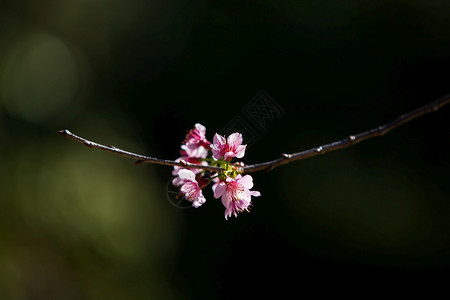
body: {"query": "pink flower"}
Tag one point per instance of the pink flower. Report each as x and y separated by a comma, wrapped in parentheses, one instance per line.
(177, 181)
(196, 144)
(229, 148)
(236, 194)
(190, 188)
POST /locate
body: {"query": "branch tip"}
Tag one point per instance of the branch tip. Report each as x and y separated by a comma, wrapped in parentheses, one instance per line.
(64, 132)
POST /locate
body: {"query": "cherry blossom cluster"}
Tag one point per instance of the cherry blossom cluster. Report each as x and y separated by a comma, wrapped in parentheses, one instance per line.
(229, 184)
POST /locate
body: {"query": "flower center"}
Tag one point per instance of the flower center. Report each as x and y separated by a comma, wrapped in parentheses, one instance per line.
(238, 195)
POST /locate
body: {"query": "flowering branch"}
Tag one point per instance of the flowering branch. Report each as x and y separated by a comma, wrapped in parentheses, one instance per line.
(286, 158)
(190, 169)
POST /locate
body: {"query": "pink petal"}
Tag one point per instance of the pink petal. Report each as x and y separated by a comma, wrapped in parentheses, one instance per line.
(220, 189)
(200, 128)
(246, 181)
(240, 152)
(188, 188)
(186, 174)
(199, 201)
(227, 201)
(196, 151)
(235, 139)
(216, 154)
(255, 193)
(218, 140)
(177, 181)
(228, 212)
(213, 187)
(245, 198)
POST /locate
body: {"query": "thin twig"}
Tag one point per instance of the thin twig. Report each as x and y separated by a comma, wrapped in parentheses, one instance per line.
(352, 139)
(138, 157)
(286, 158)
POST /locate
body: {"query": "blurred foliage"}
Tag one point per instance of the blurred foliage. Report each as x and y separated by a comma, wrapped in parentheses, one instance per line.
(76, 220)
(77, 223)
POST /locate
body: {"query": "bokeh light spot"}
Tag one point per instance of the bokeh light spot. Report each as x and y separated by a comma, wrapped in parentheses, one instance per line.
(39, 77)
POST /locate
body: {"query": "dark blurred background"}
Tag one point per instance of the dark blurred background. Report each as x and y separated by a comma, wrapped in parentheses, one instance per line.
(77, 223)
